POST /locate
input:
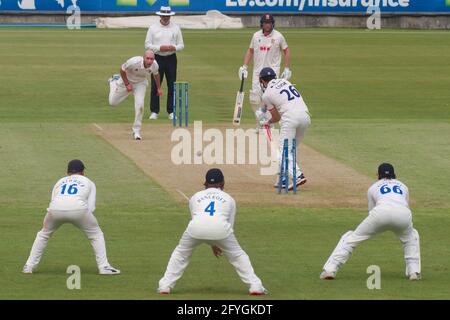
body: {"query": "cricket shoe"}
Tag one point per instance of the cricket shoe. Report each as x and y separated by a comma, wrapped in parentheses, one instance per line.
(325, 275)
(137, 136)
(283, 184)
(258, 292)
(108, 270)
(27, 269)
(164, 291)
(300, 181)
(153, 116)
(171, 116)
(415, 276)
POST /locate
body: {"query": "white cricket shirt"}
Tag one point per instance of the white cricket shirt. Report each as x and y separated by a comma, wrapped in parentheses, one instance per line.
(388, 191)
(283, 96)
(74, 192)
(158, 35)
(136, 72)
(213, 212)
(267, 50)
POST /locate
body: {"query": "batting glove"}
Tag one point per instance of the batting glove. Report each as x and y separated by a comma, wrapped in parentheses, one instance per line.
(263, 123)
(287, 74)
(260, 114)
(243, 72)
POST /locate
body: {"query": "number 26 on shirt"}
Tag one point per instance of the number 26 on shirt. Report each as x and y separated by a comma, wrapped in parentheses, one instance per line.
(291, 93)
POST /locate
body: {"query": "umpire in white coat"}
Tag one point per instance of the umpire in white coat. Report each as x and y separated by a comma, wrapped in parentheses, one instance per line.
(165, 40)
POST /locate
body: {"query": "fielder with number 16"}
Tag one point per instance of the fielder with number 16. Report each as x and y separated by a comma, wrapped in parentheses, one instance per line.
(73, 201)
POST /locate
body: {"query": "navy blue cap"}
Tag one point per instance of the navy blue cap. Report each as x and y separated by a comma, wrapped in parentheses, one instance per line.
(386, 170)
(267, 17)
(214, 176)
(267, 72)
(75, 166)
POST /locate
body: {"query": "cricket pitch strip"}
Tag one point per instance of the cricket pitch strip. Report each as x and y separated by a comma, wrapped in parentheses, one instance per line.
(331, 184)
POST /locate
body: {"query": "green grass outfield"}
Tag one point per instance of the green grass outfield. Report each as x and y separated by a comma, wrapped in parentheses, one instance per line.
(374, 96)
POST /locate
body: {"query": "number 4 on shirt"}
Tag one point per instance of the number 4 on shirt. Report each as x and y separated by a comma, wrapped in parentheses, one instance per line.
(210, 208)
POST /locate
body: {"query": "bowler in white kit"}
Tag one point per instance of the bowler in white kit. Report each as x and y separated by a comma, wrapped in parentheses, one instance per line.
(388, 211)
(73, 201)
(213, 212)
(133, 78)
(286, 106)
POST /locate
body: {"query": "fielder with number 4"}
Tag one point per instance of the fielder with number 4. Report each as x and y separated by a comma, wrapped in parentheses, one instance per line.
(286, 106)
(388, 211)
(213, 212)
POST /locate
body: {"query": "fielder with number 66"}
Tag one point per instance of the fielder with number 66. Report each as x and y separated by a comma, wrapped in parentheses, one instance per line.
(388, 211)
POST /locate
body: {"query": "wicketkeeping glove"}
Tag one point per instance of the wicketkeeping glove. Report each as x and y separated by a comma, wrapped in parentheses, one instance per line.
(287, 74)
(243, 72)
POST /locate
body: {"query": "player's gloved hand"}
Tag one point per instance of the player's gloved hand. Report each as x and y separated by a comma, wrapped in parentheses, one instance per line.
(216, 251)
(260, 114)
(243, 72)
(263, 123)
(287, 74)
(267, 115)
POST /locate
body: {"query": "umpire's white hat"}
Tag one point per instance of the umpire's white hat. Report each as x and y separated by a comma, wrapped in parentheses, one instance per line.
(165, 11)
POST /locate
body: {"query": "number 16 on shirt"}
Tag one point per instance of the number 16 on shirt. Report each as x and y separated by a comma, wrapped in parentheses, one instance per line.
(239, 104)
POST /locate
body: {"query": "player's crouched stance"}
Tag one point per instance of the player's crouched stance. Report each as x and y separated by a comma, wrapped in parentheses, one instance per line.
(388, 210)
(73, 201)
(286, 106)
(213, 212)
(133, 78)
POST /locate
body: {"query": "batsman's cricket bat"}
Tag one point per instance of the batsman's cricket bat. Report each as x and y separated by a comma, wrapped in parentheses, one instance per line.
(239, 104)
(268, 132)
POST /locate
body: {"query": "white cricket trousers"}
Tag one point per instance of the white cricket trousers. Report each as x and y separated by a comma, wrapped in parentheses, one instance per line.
(236, 256)
(81, 219)
(381, 218)
(118, 92)
(293, 126)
